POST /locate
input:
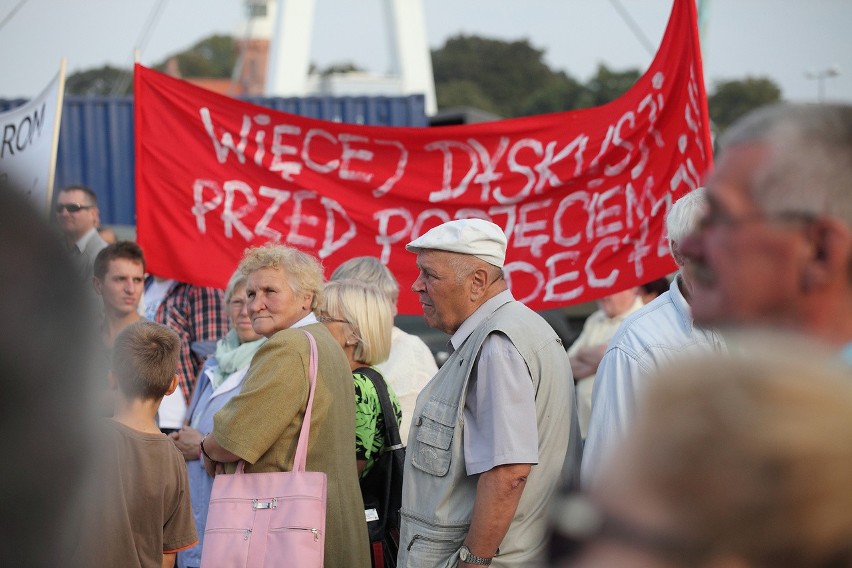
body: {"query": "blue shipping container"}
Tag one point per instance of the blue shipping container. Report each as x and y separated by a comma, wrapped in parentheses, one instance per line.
(96, 138)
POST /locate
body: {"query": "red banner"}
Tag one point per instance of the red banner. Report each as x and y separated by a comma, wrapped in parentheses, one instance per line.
(581, 195)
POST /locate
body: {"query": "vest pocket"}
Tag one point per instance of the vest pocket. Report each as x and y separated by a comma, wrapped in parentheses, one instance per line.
(424, 544)
(435, 425)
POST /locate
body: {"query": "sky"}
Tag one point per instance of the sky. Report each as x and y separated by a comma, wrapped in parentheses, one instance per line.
(784, 40)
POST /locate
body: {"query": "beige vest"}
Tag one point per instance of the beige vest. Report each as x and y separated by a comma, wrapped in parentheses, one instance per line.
(438, 495)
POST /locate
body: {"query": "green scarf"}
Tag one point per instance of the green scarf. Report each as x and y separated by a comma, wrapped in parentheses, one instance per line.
(232, 356)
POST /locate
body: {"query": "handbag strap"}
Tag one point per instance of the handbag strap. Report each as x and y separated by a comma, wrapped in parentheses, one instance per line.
(302, 447)
(391, 428)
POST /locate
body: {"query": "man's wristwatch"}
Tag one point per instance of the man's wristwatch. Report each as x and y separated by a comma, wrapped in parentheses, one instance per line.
(465, 555)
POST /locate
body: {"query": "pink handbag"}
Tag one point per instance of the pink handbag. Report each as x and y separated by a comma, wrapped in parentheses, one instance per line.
(269, 519)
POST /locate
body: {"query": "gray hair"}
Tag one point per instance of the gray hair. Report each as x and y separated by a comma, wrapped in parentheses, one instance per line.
(810, 165)
(683, 218)
(369, 269)
(304, 272)
(237, 279)
(463, 265)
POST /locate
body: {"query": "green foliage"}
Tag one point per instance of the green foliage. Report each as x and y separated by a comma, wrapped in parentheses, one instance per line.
(511, 79)
(732, 99)
(214, 56)
(505, 78)
(99, 82)
(504, 72)
(465, 94)
(564, 93)
(346, 67)
(607, 85)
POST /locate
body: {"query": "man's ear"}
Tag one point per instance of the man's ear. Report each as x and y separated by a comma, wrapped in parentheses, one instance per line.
(478, 283)
(676, 254)
(173, 386)
(112, 381)
(98, 285)
(830, 253)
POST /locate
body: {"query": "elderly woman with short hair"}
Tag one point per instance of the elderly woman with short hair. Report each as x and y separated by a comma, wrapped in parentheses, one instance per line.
(219, 381)
(261, 425)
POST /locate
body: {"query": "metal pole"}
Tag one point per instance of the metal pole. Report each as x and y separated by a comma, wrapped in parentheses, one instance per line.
(820, 77)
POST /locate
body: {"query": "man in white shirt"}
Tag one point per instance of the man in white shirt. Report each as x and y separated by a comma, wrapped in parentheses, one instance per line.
(657, 333)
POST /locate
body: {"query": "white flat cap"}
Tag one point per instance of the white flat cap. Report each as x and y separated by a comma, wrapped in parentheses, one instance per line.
(482, 239)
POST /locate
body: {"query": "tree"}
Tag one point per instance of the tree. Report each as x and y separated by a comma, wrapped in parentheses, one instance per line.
(512, 79)
(214, 56)
(731, 99)
(465, 94)
(345, 67)
(607, 85)
(99, 82)
(504, 72)
(564, 93)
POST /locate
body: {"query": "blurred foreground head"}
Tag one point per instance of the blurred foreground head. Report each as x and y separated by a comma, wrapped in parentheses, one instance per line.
(775, 248)
(45, 388)
(736, 462)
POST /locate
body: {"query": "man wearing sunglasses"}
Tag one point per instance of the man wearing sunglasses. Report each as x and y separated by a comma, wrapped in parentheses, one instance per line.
(77, 216)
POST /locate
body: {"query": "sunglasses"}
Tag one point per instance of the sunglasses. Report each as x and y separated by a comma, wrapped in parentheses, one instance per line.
(72, 207)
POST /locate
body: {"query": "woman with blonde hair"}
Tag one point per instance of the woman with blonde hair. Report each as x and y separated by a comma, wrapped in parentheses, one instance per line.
(410, 363)
(742, 461)
(261, 425)
(360, 318)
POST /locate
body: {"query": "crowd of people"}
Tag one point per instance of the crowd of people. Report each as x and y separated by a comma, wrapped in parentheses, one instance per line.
(703, 421)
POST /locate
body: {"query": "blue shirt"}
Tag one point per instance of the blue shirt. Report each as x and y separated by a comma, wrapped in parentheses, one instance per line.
(658, 332)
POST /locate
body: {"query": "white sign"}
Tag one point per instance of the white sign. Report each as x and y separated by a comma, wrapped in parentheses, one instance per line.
(28, 139)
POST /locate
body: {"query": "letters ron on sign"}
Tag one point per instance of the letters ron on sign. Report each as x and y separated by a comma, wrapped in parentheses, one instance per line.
(581, 195)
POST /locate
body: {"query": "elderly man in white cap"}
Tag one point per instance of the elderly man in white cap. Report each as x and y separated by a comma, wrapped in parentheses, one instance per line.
(492, 430)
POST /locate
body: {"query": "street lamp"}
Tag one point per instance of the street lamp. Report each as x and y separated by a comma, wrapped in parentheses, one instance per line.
(820, 77)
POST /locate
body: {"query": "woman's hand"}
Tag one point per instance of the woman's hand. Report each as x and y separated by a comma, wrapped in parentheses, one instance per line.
(213, 451)
(213, 468)
(188, 441)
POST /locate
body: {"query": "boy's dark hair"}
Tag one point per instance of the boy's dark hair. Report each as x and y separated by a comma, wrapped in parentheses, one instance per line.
(122, 249)
(145, 359)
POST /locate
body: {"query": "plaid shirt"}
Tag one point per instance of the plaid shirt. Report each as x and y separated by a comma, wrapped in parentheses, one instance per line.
(196, 314)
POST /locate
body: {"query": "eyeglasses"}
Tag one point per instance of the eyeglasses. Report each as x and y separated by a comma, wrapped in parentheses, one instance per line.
(72, 207)
(325, 318)
(577, 521)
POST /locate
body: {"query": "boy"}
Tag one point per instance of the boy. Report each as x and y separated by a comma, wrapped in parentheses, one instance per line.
(147, 516)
